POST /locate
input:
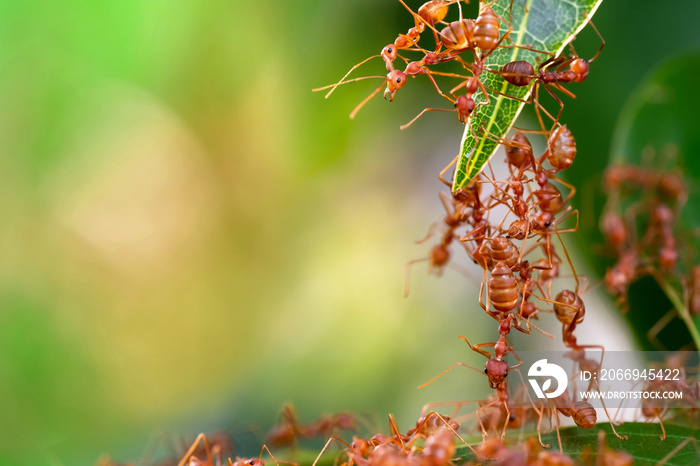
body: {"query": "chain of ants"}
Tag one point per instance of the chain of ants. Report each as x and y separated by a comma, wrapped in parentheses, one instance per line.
(520, 283)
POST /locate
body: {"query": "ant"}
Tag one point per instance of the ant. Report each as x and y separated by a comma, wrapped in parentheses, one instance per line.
(483, 34)
(190, 460)
(496, 368)
(290, 430)
(608, 457)
(429, 13)
(551, 72)
(440, 254)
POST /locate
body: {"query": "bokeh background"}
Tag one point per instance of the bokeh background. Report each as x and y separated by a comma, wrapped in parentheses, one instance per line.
(189, 237)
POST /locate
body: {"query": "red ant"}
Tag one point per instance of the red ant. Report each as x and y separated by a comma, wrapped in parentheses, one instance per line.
(440, 254)
(290, 430)
(521, 73)
(496, 368)
(483, 33)
(430, 13)
(190, 460)
(608, 457)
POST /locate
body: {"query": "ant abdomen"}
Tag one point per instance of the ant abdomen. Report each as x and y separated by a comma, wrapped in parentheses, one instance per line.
(486, 29)
(519, 153)
(518, 73)
(458, 35)
(562, 148)
(567, 306)
(584, 414)
(504, 250)
(503, 288)
(434, 11)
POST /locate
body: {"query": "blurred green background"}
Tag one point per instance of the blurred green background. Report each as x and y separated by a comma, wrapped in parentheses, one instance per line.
(190, 237)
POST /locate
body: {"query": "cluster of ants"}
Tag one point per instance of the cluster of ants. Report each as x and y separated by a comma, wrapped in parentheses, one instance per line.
(432, 442)
(639, 225)
(517, 249)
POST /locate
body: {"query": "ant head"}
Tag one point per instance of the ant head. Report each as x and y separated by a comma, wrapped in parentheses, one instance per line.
(672, 186)
(394, 81)
(616, 281)
(518, 229)
(516, 186)
(497, 371)
(543, 220)
(581, 68)
(247, 462)
(529, 310)
(359, 445)
(465, 106)
(439, 255)
(389, 53)
(550, 272)
(668, 258)
(662, 214)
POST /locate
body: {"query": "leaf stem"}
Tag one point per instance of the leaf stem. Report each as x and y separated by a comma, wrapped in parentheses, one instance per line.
(679, 305)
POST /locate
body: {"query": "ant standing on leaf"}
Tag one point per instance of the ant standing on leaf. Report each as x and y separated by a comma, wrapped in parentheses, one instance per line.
(550, 73)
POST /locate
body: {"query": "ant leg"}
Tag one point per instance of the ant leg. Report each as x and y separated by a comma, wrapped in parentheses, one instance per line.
(589, 21)
(610, 419)
(342, 80)
(348, 81)
(402, 127)
(478, 347)
(660, 325)
(478, 416)
(447, 370)
(200, 437)
(326, 446)
(367, 99)
(264, 447)
(569, 186)
(407, 278)
(457, 406)
(568, 258)
(678, 448)
(556, 424)
(564, 217)
(418, 20)
(437, 88)
(394, 429)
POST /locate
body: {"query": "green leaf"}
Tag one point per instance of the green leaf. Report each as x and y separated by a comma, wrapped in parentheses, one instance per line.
(643, 444)
(544, 25)
(658, 130)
